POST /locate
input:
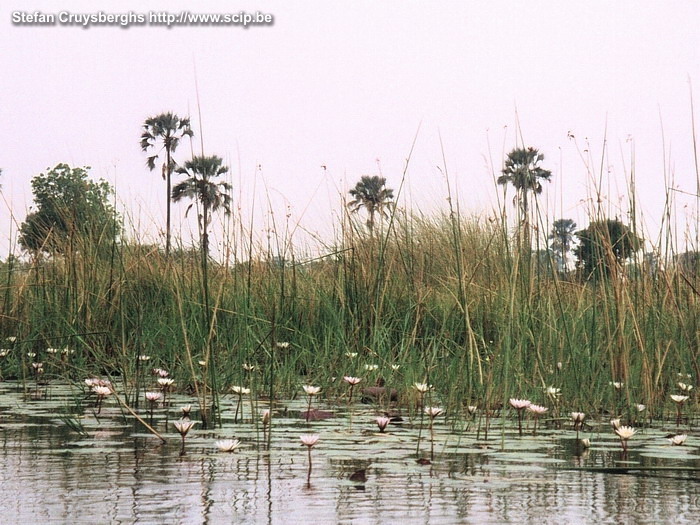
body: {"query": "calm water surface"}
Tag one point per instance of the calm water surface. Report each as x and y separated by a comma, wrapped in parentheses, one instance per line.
(119, 473)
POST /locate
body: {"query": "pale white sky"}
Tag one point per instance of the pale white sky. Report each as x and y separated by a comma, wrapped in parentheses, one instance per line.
(348, 84)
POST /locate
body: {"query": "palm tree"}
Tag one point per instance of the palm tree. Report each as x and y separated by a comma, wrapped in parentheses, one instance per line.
(167, 128)
(199, 186)
(562, 238)
(522, 170)
(372, 194)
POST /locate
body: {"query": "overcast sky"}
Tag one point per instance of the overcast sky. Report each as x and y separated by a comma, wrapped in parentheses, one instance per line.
(349, 85)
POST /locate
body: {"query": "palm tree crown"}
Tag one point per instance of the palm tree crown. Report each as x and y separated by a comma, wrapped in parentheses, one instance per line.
(522, 170)
(167, 128)
(199, 186)
(372, 194)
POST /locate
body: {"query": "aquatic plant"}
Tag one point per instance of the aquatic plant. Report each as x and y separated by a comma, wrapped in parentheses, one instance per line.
(309, 441)
(228, 445)
(382, 422)
(625, 433)
(519, 405)
(311, 391)
(183, 426)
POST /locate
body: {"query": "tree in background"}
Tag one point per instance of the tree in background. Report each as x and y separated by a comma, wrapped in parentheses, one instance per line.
(562, 239)
(523, 172)
(201, 186)
(69, 207)
(372, 194)
(166, 129)
(604, 245)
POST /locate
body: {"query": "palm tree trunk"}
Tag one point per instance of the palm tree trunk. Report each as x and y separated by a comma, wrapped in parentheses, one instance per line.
(168, 171)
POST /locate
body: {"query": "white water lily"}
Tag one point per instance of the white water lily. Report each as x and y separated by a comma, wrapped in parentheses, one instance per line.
(311, 390)
(678, 439)
(240, 390)
(382, 422)
(309, 440)
(641, 408)
(153, 396)
(519, 404)
(615, 423)
(422, 388)
(433, 412)
(101, 391)
(578, 417)
(679, 399)
(617, 385)
(228, 445)
(350, 380)
(183, 426)
(165, 382)
(625, 432)
(685, 387)
(552, 391)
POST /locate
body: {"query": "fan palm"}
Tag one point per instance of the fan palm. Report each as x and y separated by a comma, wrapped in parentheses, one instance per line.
(200, 186)
(372, 194)
(522, 170)
(168, 129)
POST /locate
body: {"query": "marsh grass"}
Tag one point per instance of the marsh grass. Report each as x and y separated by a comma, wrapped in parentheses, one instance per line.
(450, 298)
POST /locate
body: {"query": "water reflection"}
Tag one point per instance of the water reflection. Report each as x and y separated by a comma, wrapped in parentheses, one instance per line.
(121, 475)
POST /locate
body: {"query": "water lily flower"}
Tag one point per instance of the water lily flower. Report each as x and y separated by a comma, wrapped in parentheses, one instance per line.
(519, 404)
(352, 380)
(586, 443)
(615, 423)
(395, 367)
(577, 418)
(537, 409)
(248, 367)
(641, 408)
(371, 367)
(382, 422)
(311, 390)
(679, 399)
(471, 409)
(4, 352)
(678, 439)
(143, 358)
(165, 382)
(433, 412)
(265, 416)
(617, 385)
(11, 339)
(153, 396)
(101, 391)
(240, 390)
(282, 344)
(552, 391)
(309, 440)
(685, 387)
(160, 372)
(52, 351)
(183, 426)
(31, 355)
(422, 388)
(228, 445)
(625, 432)
(185, 410)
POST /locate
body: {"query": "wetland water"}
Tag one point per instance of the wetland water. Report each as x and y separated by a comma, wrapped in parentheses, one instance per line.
(119, 473)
